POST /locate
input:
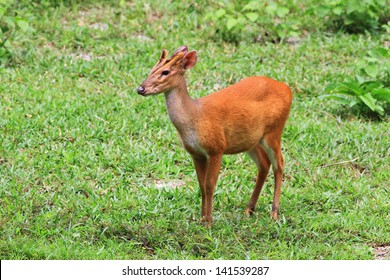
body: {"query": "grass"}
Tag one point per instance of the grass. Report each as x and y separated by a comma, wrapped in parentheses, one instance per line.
(81, 152)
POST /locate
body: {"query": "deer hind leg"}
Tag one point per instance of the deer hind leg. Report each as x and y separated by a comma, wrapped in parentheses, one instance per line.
(271, 145)
(260, 157)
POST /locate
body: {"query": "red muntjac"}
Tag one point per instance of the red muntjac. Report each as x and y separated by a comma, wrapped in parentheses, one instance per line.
(248, 116)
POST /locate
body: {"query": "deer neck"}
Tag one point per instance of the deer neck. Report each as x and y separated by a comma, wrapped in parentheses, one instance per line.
(181, 108)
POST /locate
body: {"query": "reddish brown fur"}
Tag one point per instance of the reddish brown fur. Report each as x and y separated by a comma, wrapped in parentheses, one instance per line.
(248, 116)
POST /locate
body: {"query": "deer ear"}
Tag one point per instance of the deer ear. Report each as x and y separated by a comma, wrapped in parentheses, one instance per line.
(190, 60)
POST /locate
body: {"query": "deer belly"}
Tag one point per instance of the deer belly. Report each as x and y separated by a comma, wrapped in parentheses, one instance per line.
(241, 139)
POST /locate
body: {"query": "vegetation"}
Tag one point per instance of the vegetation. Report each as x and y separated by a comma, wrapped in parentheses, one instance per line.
(12, 22)
(369, 89)
(91, 170)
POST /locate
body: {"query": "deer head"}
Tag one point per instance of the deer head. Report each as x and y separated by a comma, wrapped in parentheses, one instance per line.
(167, 73)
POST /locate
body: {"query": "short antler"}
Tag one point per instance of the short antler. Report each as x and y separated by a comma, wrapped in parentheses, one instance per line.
(176, 57)
(161, 61)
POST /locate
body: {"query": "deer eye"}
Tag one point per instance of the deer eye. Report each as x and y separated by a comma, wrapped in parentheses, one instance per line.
(165, 73)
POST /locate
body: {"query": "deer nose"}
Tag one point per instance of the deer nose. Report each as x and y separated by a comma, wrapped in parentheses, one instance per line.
(141, 90)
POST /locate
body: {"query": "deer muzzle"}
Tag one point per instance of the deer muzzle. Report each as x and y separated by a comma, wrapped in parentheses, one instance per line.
(141, 90)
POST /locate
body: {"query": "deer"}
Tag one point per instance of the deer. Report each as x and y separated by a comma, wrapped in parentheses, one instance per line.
(248, 116)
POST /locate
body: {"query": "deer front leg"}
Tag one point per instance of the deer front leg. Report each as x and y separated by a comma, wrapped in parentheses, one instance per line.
(200, 163)
(213, 168)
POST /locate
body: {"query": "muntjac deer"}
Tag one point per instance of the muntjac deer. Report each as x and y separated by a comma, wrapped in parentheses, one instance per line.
(248, 116)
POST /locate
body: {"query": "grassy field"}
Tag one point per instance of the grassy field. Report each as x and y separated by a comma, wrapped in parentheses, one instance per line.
(87, 165)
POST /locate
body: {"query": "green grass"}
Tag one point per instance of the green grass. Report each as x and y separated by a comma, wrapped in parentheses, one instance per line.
(81, 152)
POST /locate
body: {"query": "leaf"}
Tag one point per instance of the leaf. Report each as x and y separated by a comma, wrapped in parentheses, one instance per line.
(330, 87)
(349, 21)
(371, 70)
(351, 87)
(271, 9)
(354, 102)
(252, 16)
(282, 11)
(386, 27)
(371, 103)
(322, 11)
(23, 25)
(338, 10)
(210, 15)
(241, 20)
(122, 4)
(379, 53)
(293, 34)
(9, 21)
(354, 6)
(341, 99)
(252, 5)
(382, 94)
(281, 31)
(2, 51)
(380, 110)
(231, 22)
(7, 44)
(220, 13)
(372, 14)
(368, 100)
(359, 79)
(371, 85)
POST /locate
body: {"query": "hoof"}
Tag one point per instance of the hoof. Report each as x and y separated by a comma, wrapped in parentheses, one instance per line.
(207, 223)
(274, 215)
(249, 211)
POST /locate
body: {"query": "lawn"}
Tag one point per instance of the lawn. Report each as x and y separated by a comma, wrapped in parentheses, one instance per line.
(91, 170)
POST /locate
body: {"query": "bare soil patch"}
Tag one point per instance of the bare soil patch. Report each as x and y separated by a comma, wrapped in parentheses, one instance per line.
(169, 184)
(382, 252)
